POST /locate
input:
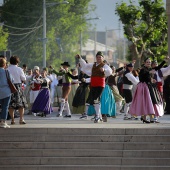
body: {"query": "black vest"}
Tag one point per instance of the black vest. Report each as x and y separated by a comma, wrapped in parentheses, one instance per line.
(125, 79)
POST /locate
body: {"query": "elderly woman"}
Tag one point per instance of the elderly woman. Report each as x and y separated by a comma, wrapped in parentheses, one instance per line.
(18, 100)
(5, 94)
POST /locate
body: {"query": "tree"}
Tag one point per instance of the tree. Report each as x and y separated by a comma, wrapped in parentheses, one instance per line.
(145, 26)
(3, 39)
(24, 22)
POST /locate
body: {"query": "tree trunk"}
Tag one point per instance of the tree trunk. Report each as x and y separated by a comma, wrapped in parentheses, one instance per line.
(135, 54)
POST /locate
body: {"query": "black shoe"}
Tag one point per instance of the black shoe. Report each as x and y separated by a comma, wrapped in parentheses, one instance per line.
(152, 121)
(146, 121)
(43, 115)
(67, 116)
(122, 111)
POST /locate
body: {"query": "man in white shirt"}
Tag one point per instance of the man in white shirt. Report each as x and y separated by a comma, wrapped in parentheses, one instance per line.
(128, 81)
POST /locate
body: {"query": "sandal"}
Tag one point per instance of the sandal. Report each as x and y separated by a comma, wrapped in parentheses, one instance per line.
(12, 122)
(22, 122)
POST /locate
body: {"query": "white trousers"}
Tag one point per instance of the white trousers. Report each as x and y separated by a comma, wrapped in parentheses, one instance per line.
(33, 95)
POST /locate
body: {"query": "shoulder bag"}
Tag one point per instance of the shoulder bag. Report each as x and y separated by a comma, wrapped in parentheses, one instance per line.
(11, 85)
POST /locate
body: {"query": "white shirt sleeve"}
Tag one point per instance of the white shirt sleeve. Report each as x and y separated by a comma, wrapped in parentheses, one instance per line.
(166, 71)
(107, 70)
(132, 78)
(88, 80)
(22, 75)
(86, 67)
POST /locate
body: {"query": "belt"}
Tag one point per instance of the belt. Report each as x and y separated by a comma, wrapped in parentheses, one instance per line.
(127, 86)
(66, 84)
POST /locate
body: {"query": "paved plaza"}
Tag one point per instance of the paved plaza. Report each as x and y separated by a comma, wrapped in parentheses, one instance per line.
(51, 121)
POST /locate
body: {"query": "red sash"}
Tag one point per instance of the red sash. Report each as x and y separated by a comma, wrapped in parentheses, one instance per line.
(97, 82)
(160, 86)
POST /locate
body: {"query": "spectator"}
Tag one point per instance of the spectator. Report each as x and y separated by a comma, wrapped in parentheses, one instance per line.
(18, 101)
(5, 94)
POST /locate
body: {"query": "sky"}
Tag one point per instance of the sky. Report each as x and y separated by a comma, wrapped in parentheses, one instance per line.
(1, 2)
(105, 9)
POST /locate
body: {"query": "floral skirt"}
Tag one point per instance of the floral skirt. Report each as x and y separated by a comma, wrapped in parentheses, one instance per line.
(18, 99)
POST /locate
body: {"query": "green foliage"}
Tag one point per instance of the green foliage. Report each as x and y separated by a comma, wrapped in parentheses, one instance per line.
(64, 21)
(145, 26)
(3, 39)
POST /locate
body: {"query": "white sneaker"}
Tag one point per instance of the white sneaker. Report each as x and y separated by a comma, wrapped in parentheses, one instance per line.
(59, 115)
(4, 125)
(35, 114)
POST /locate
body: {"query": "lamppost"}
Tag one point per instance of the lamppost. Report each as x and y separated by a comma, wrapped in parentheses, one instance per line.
(44, 39)
(81, 44)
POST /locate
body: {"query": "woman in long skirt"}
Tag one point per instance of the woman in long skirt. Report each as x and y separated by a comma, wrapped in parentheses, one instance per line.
(147, 99)
(43, 102)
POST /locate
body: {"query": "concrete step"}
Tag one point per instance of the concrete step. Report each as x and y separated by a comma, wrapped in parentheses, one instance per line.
(83, 167)
(86, 131)
(84, 153)
(84, 149)
(85, 161)
(87, 145)
(84, 138)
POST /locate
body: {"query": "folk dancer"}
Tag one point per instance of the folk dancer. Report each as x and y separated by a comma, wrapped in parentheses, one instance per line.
(98, 71)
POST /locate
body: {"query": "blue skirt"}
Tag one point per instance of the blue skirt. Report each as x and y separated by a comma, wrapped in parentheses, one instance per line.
(108, 106)
(42, 102)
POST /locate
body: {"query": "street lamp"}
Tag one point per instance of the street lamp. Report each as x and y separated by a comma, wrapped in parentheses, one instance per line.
(81, 45)
(44, 39)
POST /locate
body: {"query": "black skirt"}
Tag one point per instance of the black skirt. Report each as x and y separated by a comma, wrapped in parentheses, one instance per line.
(79, 97)
(154, 93)
(18, 99)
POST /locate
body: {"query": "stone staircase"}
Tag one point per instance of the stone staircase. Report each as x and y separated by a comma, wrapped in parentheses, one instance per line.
(84, 149)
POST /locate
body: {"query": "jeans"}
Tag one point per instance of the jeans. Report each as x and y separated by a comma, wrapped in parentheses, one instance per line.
(4, 107)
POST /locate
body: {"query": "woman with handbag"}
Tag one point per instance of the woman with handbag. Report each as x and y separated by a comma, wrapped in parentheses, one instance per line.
(5, 94)
(18, 100)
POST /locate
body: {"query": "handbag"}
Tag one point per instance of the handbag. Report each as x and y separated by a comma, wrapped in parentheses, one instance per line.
(11, 85)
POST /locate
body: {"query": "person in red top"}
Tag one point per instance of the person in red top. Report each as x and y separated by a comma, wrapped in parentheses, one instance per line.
(98, 71)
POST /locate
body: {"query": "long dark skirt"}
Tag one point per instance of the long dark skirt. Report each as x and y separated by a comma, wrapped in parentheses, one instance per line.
(154, 93)
(79, 97)
(18, 99)
(42, 102)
